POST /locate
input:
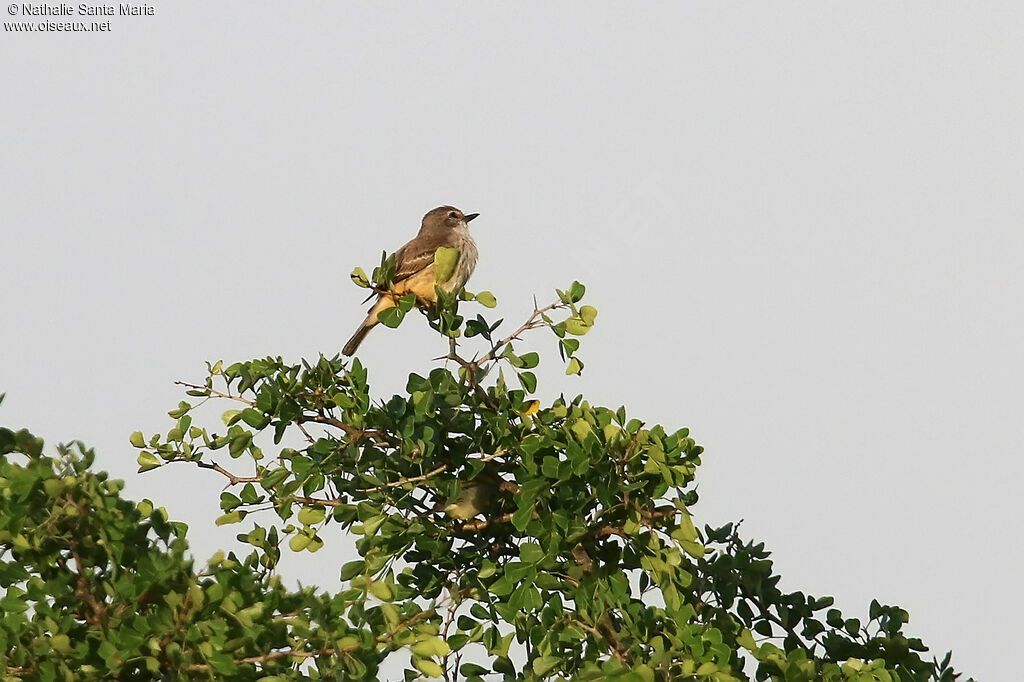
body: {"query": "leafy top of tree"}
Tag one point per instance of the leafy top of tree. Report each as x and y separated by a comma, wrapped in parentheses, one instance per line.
(574, 555)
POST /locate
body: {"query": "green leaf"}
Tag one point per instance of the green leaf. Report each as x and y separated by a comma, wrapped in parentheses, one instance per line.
(686, 530)
(407, 302)
(249, 495)
(427, 667)
(576, 326)
(137, 440)
(229, 501)
(230, 517)
(694, 549)
(62, 644)
(431, 646)
(581, 429)
(545, 664)
(644, 672)
(255, 418)
(445, 259)
(530, 553)
(359, 277)
(299, 542)
(274, 477)
(529, 360)
(575, 366)
(352, 569)
(706, 669)
(391, 317)
(230, 417)
(381, 590)
(311, 516)
(576, 292)
(147, 461)
(239, 443)
(486, 299)
(522, 517)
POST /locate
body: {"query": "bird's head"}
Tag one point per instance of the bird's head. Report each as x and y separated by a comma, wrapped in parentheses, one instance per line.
(446, 218)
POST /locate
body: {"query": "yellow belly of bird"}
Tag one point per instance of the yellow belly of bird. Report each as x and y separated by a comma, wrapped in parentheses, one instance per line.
(422, 284)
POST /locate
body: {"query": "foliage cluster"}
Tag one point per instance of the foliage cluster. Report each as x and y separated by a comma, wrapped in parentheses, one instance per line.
(579, 558)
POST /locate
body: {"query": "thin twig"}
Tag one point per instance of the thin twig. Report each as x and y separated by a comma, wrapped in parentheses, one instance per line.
(600, 635)
(530, 323)
(232, 478)
(213, 391)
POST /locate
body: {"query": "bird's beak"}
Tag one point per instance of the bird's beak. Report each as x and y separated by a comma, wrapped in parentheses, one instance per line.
(471, 216)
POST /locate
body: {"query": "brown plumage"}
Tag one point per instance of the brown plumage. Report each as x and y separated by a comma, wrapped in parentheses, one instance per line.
(414, 265)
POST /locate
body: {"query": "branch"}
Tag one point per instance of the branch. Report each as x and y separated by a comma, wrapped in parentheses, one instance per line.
(531, 323)
(96, 610)
(503, 487)
(351, 431)
(324, 502)
(608, 636)
(339, 651)
(232, 478)
(411, 479)
(474, 526)
(213, 391)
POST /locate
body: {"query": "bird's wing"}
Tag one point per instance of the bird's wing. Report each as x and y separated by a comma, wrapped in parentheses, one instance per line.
(413, 257)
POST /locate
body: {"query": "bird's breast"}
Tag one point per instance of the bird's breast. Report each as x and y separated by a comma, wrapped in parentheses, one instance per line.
(468, 255)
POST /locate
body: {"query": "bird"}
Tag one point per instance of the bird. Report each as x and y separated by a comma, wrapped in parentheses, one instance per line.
(414, 265)
(476, 496)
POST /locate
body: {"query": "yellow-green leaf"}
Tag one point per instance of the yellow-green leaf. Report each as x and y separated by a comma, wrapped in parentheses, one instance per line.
(381, 590)
(62, 644)
(359, 277)
(544, 664)
(644, 672)
(686, 530)
(147, 461)
(311, 516)
(707, 668)
(576, 326)
(299, 542)
(230, 517)
(445, 259)
(230, 417)
(432, 646)
(427, 667)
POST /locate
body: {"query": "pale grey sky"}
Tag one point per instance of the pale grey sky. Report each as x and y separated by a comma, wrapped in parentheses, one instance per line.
(801, 224)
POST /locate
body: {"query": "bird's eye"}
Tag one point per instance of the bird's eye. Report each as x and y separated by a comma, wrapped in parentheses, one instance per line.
(453, 215)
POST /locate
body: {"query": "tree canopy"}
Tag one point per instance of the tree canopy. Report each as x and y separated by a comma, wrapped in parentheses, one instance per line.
(497, 538)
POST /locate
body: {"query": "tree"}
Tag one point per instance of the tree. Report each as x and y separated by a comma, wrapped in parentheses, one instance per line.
(497, 538)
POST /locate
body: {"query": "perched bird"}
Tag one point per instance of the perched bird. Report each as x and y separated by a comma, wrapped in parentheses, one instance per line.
(414, 265)
(475, 496)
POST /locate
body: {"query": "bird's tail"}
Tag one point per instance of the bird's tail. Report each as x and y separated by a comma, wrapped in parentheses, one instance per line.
(357, 338)
(383, 303)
